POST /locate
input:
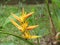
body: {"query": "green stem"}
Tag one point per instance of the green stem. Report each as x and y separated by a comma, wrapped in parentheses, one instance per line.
(30, 43)
(54, 11)
(38, 43)
(51, 21)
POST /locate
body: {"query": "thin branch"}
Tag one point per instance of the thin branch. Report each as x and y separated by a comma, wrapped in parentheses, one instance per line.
(51, 21)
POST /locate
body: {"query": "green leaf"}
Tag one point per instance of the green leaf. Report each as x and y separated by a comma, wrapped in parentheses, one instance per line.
(7, 43)
(57, 2)
(30, 43)
(7, 21)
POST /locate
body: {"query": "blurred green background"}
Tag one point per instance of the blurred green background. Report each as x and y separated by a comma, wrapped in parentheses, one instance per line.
(40, 17)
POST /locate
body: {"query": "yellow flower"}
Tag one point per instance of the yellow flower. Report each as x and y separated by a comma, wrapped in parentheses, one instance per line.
(23, 17)
(31, 27)
(18, 26)
(24, 25)
(16, 17)
(22, 28)
(23, 13)
(27, 35)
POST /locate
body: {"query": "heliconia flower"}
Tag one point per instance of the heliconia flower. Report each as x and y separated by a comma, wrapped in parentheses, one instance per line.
(23, 17)
(28, 15)
(32, 27)
(28, 36)
(33, 37)
(23, 13)
(22, 28)
(18, 26)
(16, 17)
(24, 25)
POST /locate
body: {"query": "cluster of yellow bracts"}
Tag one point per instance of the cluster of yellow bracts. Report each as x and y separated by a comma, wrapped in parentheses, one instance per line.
(23, 27)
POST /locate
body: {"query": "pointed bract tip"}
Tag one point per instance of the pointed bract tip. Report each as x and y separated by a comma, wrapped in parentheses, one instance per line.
(32, 27)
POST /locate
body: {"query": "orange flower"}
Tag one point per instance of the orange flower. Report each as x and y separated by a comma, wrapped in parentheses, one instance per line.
(16, 17)
(23, 27)
(18, 26)
(27, 35)
(23, 17)
(31, 27)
